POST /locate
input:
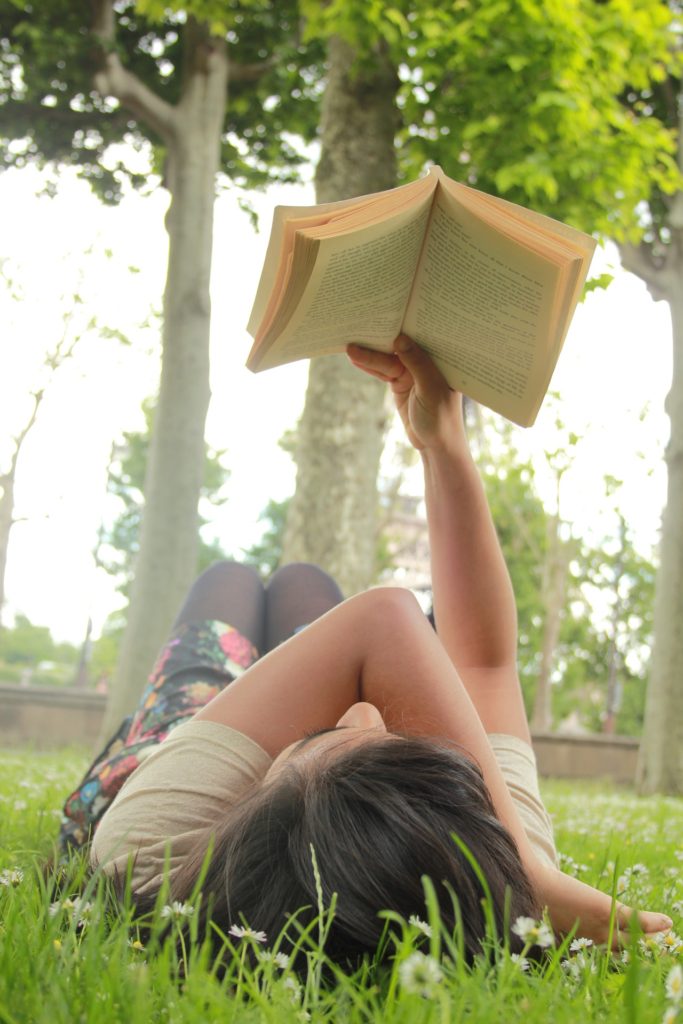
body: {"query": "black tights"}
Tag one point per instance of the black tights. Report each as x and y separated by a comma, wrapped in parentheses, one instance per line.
(233, 593)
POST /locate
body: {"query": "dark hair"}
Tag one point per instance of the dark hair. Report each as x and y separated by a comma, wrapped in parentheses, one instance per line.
(379, 816)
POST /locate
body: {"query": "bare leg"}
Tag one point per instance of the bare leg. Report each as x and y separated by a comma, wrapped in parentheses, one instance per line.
(296, 595)
(231, 593)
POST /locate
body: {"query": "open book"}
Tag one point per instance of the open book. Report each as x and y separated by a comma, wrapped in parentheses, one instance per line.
(486, 287)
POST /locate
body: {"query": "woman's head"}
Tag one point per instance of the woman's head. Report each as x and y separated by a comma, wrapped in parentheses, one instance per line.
(380, 815)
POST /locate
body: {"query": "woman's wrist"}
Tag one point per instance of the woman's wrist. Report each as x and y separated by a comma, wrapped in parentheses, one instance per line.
(448, 461)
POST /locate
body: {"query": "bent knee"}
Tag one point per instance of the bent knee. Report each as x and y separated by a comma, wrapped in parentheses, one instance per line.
(227, 572)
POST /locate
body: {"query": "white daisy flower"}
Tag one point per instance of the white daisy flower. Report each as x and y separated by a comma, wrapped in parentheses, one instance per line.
(11, 877)
(421, 925)
(669, 942)
(521, 961)
(580, 943)
(537, 933)
(177, 910)
(634, 872)
(294, 989)
(584, 964)
(238, 932)
(525, 928)
(571, 968)
(674, 983)
(280, 960)
(420, 974)
(82, 912)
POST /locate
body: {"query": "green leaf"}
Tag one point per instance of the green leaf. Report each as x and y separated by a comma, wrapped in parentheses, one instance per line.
(596, 283)
(517, 62)
(555, 99)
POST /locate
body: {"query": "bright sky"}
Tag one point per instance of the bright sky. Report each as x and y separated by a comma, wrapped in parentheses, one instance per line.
(615, 364)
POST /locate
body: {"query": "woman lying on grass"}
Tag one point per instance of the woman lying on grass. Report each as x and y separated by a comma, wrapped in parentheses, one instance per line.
(366, 736)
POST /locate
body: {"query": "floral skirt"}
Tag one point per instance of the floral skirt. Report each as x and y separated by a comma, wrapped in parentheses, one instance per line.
(198, 661)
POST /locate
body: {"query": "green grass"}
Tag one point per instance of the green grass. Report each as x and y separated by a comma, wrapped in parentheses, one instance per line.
(55, 970)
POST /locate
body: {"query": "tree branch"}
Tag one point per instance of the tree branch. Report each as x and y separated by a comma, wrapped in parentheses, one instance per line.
(19, 438)
(63, 350)
(251, 72)
(76, 119)
(113, 79)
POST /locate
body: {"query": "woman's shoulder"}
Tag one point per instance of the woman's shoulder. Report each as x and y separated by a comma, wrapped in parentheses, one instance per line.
(517, 762)
(185, 786)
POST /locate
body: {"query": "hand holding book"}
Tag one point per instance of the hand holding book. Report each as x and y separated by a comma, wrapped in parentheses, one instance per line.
(431, 411)
(486, 287)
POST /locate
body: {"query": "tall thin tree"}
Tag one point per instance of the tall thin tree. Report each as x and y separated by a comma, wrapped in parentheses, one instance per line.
(60, 353)
(332, 518)
(658, 261)
(158, 74)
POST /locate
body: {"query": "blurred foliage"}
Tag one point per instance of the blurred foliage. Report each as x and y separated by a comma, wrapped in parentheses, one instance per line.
(119, 540)
(50, 112)
(609, 596)
(266, 553)
(570, 109)
(566, 106)
(520, 520)
(582, 663)
(105, 651)
(29, 654)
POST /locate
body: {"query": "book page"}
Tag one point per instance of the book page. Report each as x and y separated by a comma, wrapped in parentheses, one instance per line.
(262, 317)
(357, 291)
(288, 219)
(481, 306)
(560, 243)
(499, 210)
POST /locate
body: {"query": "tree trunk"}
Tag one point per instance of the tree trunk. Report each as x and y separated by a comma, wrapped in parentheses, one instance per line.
(660, 766)
(614, 659)
(553, 598)
(660, 763)
(82, 678)
(332, 519)
(6, 522)
(167, 559)
(609, 724)
(8, 480)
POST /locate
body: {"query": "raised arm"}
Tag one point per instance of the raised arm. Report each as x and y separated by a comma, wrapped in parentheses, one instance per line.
(474, 604)
(475, 611)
